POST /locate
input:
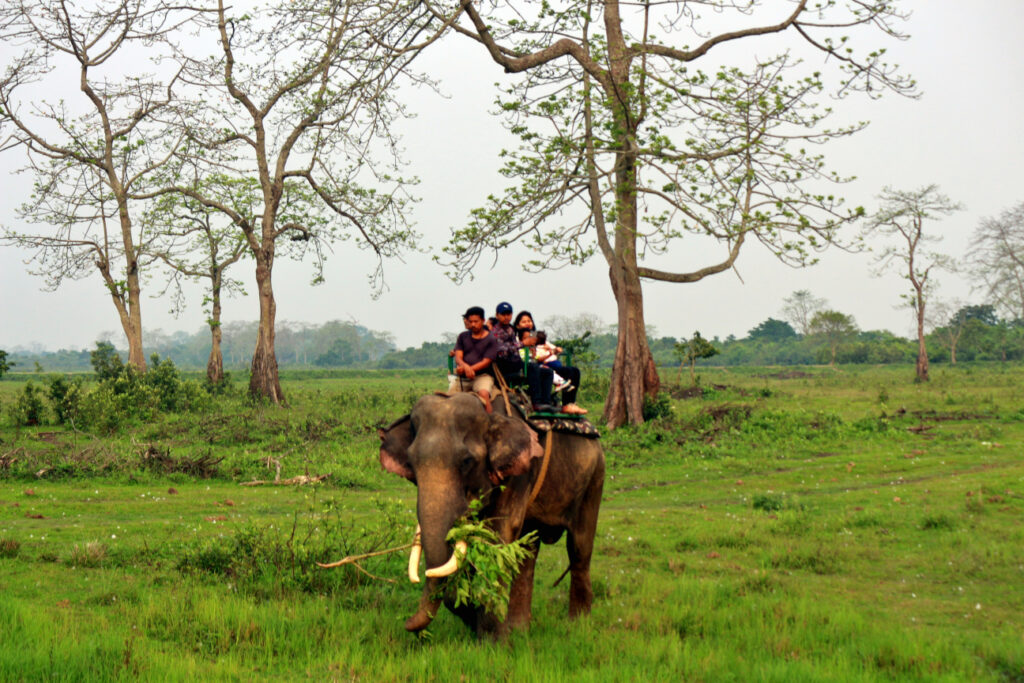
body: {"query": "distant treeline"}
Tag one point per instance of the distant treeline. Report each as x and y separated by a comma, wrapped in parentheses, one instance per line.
(339, 344)
(332, 344)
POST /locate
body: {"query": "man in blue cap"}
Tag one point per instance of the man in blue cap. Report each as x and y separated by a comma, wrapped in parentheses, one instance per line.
(538, 377)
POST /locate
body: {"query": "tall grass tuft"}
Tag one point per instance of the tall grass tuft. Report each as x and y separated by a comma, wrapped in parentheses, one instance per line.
(9, 548)
(91, 554)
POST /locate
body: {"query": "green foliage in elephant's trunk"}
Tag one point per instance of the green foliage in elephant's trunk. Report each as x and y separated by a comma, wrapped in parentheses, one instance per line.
(485, 575)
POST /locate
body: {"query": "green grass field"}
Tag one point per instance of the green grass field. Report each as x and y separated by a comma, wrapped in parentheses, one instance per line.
(780, 525)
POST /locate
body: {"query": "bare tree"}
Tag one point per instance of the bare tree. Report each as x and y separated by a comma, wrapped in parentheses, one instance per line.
(996, 260)
(627, 147)
(297, 100)
(566, 327)
(88, 160)
(947, 320)
(901, 219)
(799, 307)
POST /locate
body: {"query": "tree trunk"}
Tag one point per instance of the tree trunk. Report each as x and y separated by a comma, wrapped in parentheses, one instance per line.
(215, 366)
(133, 324)
(922, 352)
(136, 356)
(633, 372)
(264, 381)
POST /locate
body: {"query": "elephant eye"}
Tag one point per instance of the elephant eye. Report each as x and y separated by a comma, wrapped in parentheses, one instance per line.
(468, 462)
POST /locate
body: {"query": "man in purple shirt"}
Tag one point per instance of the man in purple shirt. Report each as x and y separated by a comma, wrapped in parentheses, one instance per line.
(475, 351)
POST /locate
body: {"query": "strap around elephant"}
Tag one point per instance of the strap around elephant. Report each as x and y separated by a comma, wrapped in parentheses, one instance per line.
(503, 385)
(543, 469)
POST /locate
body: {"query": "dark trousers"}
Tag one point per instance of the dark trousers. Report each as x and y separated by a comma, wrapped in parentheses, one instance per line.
(540, 378)
(511, 368)
(573, 375)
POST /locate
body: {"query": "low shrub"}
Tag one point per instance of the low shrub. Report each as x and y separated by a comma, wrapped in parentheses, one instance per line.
(116, 402)
(657, 407)
(66, 398)
(222, 388)
(124, 395)
(174, 395)
(28, 409)
(768, 502)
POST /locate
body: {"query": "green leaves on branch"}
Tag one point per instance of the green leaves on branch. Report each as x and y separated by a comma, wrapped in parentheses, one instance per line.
(485, 576)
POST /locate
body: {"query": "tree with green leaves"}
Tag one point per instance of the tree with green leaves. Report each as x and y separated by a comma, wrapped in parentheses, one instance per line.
(689, 351)
(996, 260)
(89, 154)
(832, 328)
(901, 222)
(106, 361)
(5, 366)
(951, 320)
(296, 100)
(634, 139)
(771, 329)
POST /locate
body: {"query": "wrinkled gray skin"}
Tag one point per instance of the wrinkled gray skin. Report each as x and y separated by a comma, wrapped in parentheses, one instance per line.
(454, 451)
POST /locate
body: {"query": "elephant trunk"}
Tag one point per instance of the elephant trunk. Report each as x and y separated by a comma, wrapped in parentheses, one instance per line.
(440, 501)
(427, 609)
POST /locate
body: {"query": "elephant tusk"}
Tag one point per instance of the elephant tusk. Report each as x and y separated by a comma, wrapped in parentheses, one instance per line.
(452, 565)
(414, 557)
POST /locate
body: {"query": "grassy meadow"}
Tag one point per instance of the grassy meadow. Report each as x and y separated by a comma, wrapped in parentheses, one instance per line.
(779, 524)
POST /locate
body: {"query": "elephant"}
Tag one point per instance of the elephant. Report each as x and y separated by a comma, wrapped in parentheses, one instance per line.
(454, 451)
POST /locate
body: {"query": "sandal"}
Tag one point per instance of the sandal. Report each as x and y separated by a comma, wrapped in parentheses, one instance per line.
(573, 409)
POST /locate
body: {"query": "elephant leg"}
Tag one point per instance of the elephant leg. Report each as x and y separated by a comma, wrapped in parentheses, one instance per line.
(580, 545)
(520, 598)
(581, 595)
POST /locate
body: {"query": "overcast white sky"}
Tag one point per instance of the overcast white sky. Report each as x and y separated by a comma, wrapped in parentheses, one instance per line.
(963, 134)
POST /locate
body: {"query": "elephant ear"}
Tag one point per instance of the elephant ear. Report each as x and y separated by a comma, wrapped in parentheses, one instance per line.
(394, 447)
(511, 447)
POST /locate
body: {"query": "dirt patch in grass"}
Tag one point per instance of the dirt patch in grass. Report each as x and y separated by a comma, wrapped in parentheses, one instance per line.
(681, 392)
(949, 417)
(204, 467)
(788, 374)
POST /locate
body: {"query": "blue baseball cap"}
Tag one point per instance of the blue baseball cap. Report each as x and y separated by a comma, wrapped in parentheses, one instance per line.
(503, 308)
